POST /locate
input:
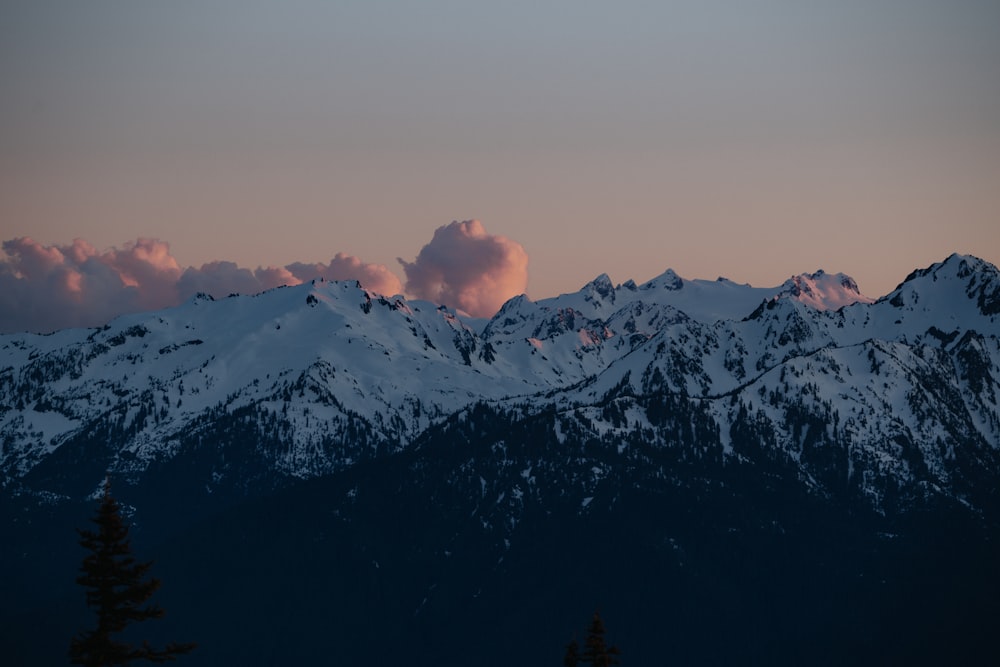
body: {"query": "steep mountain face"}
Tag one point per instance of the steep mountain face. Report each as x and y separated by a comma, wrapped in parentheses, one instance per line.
(701, 439)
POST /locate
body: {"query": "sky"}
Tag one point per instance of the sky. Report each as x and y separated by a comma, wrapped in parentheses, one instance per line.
(469, 151)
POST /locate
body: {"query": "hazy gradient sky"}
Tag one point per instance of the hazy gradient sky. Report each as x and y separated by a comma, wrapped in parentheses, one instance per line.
(749, 139)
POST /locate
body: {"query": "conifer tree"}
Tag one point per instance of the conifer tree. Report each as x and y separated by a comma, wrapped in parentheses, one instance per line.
(572, 657)
(595, 652)
(117, 590)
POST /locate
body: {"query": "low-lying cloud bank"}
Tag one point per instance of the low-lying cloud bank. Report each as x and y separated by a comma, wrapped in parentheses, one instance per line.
(45, 288)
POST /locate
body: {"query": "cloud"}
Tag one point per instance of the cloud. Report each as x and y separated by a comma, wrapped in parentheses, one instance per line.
(465, 267)
(225, 278)
(45, 288)
(147, 266)
(48, 287)
(375, 277)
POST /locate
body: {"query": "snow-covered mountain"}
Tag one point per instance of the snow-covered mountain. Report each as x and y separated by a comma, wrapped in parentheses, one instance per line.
(326, 374)
(675, 452)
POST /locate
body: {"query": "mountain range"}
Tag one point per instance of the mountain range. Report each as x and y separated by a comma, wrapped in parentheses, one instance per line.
(770, 475)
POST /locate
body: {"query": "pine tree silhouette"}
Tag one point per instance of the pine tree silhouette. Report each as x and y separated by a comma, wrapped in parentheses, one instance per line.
(117, 588)
(572, 657)
(595, 652)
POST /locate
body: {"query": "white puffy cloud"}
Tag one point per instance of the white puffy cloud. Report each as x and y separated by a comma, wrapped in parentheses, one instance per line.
(465, 267)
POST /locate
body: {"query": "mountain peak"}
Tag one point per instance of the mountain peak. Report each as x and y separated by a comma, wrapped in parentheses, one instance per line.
(668, 280)
(980, 279)
(961, 266)
(601, 285)
(823, 291)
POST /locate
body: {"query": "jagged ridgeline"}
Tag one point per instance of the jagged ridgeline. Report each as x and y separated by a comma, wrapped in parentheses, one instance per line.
(807, 472)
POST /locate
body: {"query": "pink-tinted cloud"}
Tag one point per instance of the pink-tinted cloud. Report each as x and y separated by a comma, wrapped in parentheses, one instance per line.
(465, 267)
(375, 277)
(147, 266)
(44, 288)
(219, 279)
(275, 276)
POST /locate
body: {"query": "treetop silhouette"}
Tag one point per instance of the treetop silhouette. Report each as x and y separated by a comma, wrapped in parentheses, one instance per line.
(595, 651)
(118, 588)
